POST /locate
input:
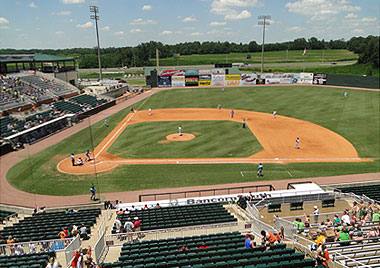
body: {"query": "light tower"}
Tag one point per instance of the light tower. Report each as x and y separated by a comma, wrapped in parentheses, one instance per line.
(95, 10)
(263, 21)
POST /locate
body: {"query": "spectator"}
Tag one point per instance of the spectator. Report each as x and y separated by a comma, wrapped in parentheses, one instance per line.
(376, 215)
(74, 259)
(346, 218)
(372, 232)
(320, 238)
(268, 239)
(53, 263)
(307, 220)
(118, 224)
(336, 220)
(83, 232)
(316, 214)
(323, 256)
(300, 225)
(249, 241)
(128, 227)
(203, 246)
(157, 205)
(183, 248)
(120, 212)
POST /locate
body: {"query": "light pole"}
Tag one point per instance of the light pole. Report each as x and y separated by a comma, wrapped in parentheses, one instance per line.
(95, 10)
(263, 21)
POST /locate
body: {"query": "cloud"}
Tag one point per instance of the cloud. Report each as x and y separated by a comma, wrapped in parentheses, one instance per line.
(358, 31)
(351, 16)
(86, 25)
(105, 28)
(166, 32)
(140, 21)
(3, 21)
(218, 23)
(136, 31)
(72, 1)
(296, 29)
(189, 19)
(320, 9)
(59, 33)
(369, 19)
(4, 27)
(119, 33)
(228, 8)
(196, 34)
(32, 5)
(63, 13)
(146, 7)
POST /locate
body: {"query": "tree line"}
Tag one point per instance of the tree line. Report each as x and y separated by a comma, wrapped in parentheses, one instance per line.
(141, 55)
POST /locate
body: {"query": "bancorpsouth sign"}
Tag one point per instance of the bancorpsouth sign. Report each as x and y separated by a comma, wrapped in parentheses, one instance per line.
(219, 199)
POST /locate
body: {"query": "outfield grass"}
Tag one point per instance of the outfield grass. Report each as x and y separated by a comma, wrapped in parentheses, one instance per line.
(328, 55)
(144, 140)
(356, 118)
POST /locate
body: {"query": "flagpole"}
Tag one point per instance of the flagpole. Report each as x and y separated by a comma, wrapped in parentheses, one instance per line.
(304, 53)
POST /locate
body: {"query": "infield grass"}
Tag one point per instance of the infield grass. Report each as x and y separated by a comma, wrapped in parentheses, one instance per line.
(356, 118)
(212, 139)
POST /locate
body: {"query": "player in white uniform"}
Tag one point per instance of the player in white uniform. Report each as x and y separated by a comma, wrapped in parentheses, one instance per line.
(180, 130)
(297, 143)
(274, 114)
(150, 111)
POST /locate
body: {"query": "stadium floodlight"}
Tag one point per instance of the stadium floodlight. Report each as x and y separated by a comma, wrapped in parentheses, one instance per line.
(95, 10)
(263, 21)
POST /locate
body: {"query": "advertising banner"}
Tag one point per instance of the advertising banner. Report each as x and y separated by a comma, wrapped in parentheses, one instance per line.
(285, 80)
(306, 76)
(320, 79)
(204, 77)
(204, 72)
(218, 71)
(305, 81)
(204, 83)
(191, 81)
(272, 81)
(164, 81)
(232, 80)
(191, 72)
(171, 72)
(260, 81)
(248, 79)
(217, 79)
(178, 81)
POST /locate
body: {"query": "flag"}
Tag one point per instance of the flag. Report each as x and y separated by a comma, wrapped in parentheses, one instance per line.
(304, 52)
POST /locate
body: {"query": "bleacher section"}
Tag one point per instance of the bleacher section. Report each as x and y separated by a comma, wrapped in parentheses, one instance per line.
(67, 107)
(4, 214)
(367, 253)
(30, 260)
(45, 84)
(371, 191)
(46, 226)
(85, 99)
(179, 216)
(225, 250)
(10, 125)
(40, 117)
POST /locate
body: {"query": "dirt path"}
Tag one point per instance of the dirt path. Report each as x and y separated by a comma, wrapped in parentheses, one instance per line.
(11, 195)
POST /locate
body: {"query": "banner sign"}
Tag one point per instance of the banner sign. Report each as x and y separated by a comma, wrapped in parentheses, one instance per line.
(204, 72)
(164, 81)
(320, 79)
(306, 76)
(191, 72)
(171, 72)
(204, 77)
(218, 71)
(305, 81)
(272, 81)
(232, 80)
(191, 81)
(178, 81)
(217, 79)
(248, 79)
(204, 83)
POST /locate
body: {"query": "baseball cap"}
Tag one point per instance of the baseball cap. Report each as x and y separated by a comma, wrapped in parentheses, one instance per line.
(315, 207)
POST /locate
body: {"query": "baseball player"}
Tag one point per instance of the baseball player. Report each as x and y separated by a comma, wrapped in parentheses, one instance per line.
(297, 143)
(222, 89)
(260, 170)
(87, 154)
(180, 130)
(232, 113)
(149, 111)
(274, 114)
(72, 159)
(106, 122)
(132, 111)
(244, 122)
(346, 94)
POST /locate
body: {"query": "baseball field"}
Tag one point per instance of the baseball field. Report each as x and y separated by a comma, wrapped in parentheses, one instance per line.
(136, 151)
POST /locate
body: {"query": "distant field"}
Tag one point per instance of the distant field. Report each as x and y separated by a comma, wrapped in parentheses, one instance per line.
(355, 69)
(131, 81)
(328, 55)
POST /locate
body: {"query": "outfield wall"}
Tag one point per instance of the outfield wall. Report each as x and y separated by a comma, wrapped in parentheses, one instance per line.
(353, 81)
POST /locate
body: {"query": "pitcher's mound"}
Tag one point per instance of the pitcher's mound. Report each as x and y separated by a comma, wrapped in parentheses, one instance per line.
(177, 137)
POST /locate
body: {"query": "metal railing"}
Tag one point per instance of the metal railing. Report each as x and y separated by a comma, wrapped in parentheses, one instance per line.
(35, 246)
(71, 248)
(99, 248)
(101, 228)
(119, 239)
(184, 194)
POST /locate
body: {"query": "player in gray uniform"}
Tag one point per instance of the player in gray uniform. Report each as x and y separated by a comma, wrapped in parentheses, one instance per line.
(297, 143)
(180, 130)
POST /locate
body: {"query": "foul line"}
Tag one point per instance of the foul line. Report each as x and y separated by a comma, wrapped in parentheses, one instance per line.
(122, 127)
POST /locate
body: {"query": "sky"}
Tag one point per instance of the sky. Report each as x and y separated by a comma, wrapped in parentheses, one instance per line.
(67, 23)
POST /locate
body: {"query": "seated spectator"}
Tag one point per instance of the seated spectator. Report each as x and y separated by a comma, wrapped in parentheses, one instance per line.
(376, 215)
(183, 248)
(336, 220)
(268, 239)
(53, 263)
(344, 237)
(203, 246)
(249, 241)
(145, 207)
(61, 234)
(346, 218)
(83, 232)
(120, 212)
(157, 205)
(372, 232)
(329, 222)
(320, 238)
(323, 256)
